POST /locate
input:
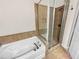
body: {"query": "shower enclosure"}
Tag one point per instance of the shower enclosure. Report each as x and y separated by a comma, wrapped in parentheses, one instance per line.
(50, 20)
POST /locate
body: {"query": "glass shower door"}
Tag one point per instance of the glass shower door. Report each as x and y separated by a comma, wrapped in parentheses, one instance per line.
(50, 20)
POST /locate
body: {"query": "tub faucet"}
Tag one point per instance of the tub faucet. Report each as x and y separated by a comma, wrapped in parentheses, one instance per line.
(38, 45)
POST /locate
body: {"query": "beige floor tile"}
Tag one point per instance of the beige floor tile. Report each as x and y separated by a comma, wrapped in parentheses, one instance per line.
(58, 52)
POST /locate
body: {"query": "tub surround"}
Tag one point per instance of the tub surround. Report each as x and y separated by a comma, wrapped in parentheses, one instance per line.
(16, 37)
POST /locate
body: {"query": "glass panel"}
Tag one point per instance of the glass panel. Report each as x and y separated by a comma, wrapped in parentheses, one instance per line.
(57, 15)
(41, 11)
(44, 19)
(51, 13)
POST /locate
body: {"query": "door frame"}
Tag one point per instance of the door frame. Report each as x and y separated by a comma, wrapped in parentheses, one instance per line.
(70, 23)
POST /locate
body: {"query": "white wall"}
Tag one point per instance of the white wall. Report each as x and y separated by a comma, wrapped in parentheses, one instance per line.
(53, 3)
(69, 23)
(59, 3)
(74, 48)
(16, 16)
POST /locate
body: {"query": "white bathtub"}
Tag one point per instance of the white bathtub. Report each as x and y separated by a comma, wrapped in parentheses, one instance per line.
(23, 49)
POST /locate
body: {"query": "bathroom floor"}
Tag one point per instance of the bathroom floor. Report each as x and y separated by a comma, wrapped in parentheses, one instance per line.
(58, 52)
